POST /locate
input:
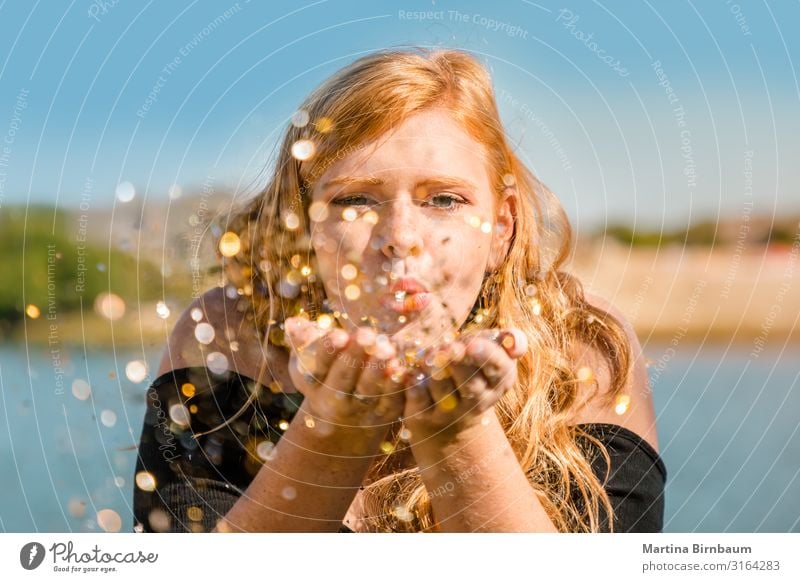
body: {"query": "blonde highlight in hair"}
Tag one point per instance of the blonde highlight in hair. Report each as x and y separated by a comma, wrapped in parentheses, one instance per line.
(529, 291)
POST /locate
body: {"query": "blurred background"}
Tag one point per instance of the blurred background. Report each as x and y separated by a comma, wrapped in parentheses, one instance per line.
(668, 131)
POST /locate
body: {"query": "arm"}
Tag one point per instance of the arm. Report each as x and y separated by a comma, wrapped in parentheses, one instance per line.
(315, 471)
(476, 483)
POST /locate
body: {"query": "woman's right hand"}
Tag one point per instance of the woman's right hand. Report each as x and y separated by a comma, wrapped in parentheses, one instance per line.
(348, 380)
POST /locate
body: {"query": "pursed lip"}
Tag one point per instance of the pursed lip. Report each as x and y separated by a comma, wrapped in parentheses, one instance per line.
(406, 295)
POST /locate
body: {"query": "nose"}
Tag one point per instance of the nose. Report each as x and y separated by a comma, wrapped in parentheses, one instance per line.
(400, 232)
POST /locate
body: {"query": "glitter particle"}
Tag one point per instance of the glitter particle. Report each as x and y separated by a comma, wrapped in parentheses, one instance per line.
(474, 221)
(32, 311)
(188, 389)
(371, 217)
(585, 374)
(303, 149)
(531, 290)
(229, 244)
(136, 371)
(204, 333)
(318, 211)
(324, 321)
(305, 270)
(217, 362)
(448, 403)
(387, 447)
(76, 507)
(349, 272)
(324, 124)
(194, 513)
(108, 418)
(180, 415)
(486, 227)
(623, 402)
(289, 493)
(265, 450)
(81, 389)
(349, 214)
(196, 314)
(509, 179)
(310, 423)
(403, 514)
(159, 520)
(291, 221)
(109, 520)
(175, 192)
(145, 481)
(110, 306)
(162, 310)
(352, 292)
(404, 434)
(283, 425)
(300, 118)
(125, 192)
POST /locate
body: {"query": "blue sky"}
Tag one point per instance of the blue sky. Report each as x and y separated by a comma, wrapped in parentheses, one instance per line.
(605, 136)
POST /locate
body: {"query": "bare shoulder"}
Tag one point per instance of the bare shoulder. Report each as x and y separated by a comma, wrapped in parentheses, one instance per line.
(234, 336)
(639, 416)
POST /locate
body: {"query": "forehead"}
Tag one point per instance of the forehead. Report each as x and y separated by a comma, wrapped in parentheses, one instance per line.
(429, 142)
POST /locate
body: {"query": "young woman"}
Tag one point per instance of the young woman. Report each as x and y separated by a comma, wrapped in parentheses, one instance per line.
(397, 347)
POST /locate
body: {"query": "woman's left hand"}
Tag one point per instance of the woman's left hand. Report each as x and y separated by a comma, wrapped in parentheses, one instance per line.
(454, 385)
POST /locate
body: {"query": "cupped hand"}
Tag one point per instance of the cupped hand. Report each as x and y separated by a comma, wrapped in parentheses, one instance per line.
(350, 380)
(454, 385)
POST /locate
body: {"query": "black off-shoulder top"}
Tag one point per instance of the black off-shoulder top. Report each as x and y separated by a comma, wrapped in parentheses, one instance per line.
(193, 482)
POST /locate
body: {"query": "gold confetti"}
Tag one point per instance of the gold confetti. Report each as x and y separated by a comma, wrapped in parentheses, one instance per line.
(305, 270)
(324, 321)
(193, 408)
(623, 402)
(349, 272)
(324, 124)
(110, 306)
(508, 342)
(536, 307)
(194, 513)
(303, 149)
(447, 403)
(32, 311)
(371, 217)
(318, 211)
(76, 507)
(229, 244)
(283, 425)
(310, 423)
(81, 389)
(145, 481)
(291, 221)
(109, 520)
(188, 389)
(136, 371)
(585, 374)
(162, 310)
(352, 292)
(159, 520)
(387, 447)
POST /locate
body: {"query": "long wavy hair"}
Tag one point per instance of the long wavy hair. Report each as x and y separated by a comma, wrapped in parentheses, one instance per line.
(275, 264)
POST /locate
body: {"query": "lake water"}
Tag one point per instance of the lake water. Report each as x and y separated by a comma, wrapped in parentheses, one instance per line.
(727, 422)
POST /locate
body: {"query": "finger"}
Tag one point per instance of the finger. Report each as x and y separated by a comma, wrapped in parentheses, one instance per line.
(375, 379)
(417, 394)
(469, 382)
(513, 341)
(326, 350)
(491, 360)
(347, 364)
(300, 332)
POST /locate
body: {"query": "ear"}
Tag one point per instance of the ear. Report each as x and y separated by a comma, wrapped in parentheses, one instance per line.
(503, 228)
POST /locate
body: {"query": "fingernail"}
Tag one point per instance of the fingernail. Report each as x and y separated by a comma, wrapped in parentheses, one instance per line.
(339, 338)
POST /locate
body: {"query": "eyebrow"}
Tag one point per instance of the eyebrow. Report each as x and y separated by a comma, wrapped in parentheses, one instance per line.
(441, 181)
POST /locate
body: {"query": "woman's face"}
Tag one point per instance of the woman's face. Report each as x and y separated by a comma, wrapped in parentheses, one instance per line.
(405, 228)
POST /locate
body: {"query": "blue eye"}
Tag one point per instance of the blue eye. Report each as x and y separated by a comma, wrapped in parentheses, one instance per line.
(447, 202)
(352, 200)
